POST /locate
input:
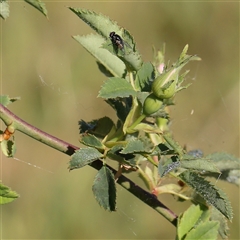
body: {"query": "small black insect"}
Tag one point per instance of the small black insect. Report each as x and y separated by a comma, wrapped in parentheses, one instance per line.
(116, 40)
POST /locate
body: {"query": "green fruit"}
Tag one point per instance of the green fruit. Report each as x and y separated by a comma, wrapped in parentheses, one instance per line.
(151, 105)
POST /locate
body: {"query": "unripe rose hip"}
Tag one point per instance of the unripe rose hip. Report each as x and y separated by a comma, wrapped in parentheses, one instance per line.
(151, 105)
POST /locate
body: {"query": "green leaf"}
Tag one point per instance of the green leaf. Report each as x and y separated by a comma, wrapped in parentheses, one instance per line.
(181, 80)
(128, 54)
(116, 87)
(173, 144)
(104, 70)
(5, 100)
(97, 21)
(103, 26)
(6, 194)
(223, 229)
(121, 106)
(229, 166)
(39, 5)
(98, 127)
(93, 44)
(8, 148)
(86, 127)
(201, 164)
(4, 9)
(92, 141)
(145, 75)
(184, 58)
(204, 230)
(114, 153)
(212, 194)
(136, 146)
(188, 220)
(183, 53)
(104, 189)
(224, 161)
(83, 157)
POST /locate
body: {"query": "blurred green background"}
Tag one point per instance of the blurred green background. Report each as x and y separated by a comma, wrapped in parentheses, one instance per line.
(58, 82)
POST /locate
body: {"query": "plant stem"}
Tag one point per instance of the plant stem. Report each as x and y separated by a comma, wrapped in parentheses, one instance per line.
(149, 158)
(11, 119)
(151, 200)
(130, 129)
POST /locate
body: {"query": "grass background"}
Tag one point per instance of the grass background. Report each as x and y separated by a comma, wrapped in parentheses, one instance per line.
(58, 82)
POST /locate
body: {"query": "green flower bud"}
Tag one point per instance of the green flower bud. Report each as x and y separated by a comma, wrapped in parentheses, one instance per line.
(164, 86)
(151, 105)
(167, 91)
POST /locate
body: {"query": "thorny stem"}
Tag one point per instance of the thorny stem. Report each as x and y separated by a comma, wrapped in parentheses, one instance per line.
(150, 199)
